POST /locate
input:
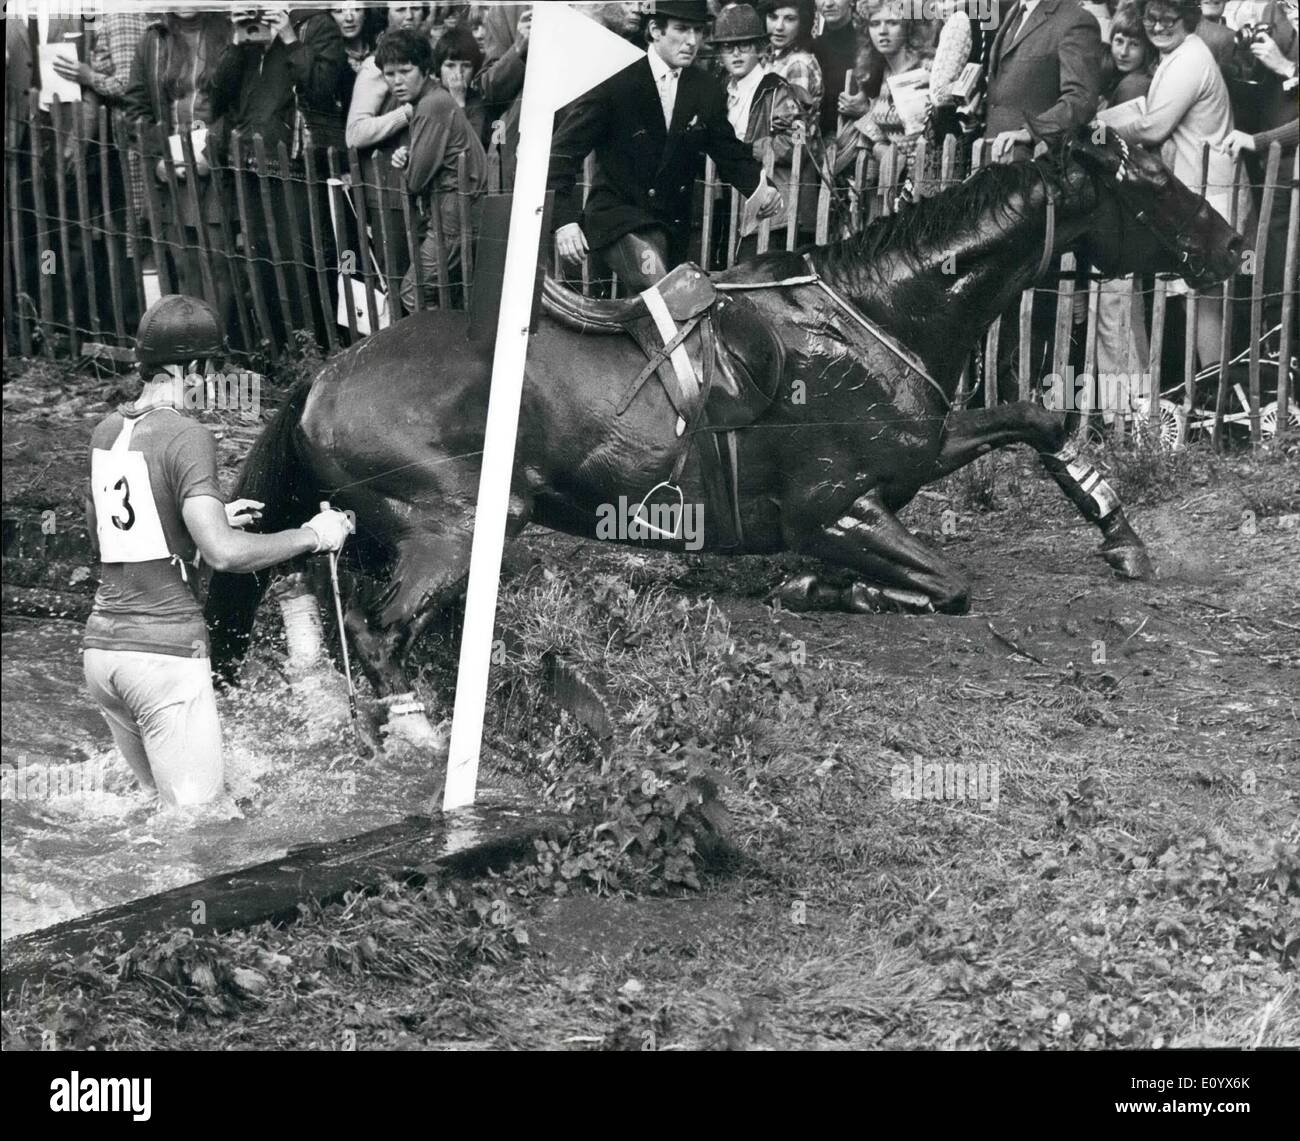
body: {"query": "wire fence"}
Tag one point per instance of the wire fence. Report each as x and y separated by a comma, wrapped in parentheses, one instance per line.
(102, 215)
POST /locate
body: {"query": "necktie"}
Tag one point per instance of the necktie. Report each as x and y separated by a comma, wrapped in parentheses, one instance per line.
(666, 95)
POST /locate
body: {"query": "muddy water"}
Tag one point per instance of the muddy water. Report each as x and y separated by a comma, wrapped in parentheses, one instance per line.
(92, 838)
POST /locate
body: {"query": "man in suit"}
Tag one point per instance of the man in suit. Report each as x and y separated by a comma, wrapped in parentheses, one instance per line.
(1044, 66)
(651, 125)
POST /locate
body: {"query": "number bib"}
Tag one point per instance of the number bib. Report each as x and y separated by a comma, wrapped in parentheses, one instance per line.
(126, 517)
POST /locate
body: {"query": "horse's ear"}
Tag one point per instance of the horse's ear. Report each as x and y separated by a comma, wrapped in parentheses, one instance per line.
(1096, 145)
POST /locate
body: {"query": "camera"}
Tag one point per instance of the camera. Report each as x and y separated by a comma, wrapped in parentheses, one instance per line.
(250, 27)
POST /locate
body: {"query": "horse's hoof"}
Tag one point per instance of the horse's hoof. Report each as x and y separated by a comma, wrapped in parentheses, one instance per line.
(796, 593)
(1128, 561)
(415, 729)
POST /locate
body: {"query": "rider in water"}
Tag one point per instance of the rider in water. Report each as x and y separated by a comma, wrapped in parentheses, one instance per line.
(154, 502)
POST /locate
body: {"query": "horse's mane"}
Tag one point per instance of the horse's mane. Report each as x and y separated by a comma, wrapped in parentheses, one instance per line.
(915, 231)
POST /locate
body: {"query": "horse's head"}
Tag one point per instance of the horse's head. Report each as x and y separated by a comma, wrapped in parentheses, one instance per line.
(1147, 220)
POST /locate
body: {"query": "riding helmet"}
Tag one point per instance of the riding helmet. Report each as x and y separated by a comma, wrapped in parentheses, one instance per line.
(738, 24)
(176, 329)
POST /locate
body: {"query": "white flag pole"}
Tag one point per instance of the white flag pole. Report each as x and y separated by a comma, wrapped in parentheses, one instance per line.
(567, 55)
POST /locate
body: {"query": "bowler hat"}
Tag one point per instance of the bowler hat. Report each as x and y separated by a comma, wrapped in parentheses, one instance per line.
(738, 24)
(691, 11)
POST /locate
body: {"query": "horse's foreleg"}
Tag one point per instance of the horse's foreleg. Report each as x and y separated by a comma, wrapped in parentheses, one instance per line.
(972, 434)
(899, 571)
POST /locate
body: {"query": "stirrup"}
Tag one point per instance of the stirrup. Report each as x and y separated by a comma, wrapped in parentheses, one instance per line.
(659, 532)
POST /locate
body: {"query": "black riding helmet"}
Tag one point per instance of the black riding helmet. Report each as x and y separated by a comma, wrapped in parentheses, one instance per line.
(176, 329)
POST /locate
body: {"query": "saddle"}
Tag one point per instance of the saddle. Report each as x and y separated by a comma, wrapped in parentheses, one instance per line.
(716, 357)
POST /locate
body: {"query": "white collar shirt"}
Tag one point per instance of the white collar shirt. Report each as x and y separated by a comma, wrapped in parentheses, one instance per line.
(740, 98)
(665, 77)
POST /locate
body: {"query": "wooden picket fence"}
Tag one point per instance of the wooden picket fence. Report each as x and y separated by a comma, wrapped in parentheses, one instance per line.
(333, 221)
(271, 287)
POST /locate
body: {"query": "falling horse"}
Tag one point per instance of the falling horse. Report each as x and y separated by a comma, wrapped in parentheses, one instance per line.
(835, 371)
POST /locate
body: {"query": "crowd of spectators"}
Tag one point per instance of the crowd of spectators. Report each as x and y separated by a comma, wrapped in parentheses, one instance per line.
(422, 89)
(418, 86)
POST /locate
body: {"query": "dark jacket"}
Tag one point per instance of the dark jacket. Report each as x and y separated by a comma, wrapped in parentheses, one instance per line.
(439, 134)
(253, 89)
(836, 50)
(146, 100)
(1220, 40)
(1050, 76)
(645, 174)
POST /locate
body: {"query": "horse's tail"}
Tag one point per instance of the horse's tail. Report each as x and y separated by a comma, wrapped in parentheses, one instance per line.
(274, 473)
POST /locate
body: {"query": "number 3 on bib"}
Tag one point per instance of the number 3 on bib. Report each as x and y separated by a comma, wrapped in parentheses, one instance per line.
(126, 517)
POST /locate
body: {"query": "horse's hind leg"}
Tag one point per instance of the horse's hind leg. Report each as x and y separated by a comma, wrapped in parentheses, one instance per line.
(973, 433)
(899, 571)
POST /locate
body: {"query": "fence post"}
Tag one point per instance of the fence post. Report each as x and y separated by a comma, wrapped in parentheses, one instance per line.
(417, 267)
(588, 176)
(1156, 363)
(338, 201)
(1225, 339)
(260, 308)
(1192, 317)
(272, 231)
(765, 226)
(825, 200)
(798, 135)
(110, 238)
(372, 167)
(206, 273)
(363, 237)
(440, 250)
(1257, 283)
(706, 226)
(45, 287)
(310, 157)
(135, 255)
(153, 211)
(1284, 393)
(65, 239)
(291, 188)
(79, 141)
(14, 225)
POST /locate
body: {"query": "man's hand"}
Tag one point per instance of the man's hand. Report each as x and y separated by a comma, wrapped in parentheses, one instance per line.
(1264, 48)
(74, 70)
(770, 202)
(1004, 145)
(278, 21)
(401, 157)
(331, 529)
(523, 30)
(571, 243)
(242, 512)
(1237, 143)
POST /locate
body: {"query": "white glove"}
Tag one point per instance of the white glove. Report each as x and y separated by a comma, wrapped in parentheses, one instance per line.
(331, 529)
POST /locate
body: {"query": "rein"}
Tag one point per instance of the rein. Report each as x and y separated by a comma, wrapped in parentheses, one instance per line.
(812, 277)
(1049, 237)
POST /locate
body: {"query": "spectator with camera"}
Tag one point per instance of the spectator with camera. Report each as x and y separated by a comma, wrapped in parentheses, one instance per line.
(1273, 48)
(280, 79)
